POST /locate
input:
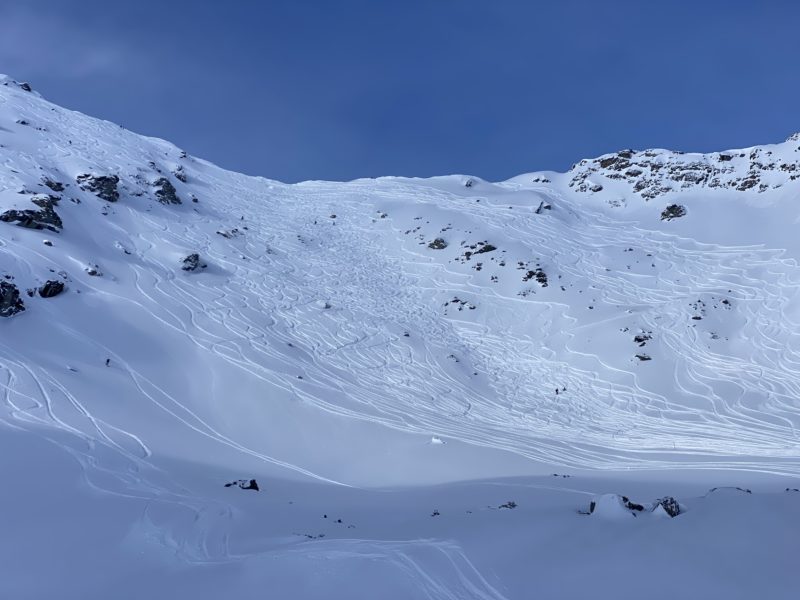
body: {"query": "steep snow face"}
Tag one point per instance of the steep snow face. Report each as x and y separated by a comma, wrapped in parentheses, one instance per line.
(533, 316)
(638, 312)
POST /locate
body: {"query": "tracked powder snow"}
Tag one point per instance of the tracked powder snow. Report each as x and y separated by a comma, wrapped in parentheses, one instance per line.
(398, 388)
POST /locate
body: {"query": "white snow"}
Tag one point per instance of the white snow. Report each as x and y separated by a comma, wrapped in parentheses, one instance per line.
(329, 352)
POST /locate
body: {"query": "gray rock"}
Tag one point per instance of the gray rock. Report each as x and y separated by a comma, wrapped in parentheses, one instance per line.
(673, 211)
(10, 302)
(671, 506)
(244, 484)
(51, 287)
(192, 263)
(166, 192)
(180, 174)
(45, 218)
(102, 186)
(437, 244)
(56, 186)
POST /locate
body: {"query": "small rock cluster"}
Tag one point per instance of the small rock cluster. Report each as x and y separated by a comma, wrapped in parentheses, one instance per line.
(102, 186)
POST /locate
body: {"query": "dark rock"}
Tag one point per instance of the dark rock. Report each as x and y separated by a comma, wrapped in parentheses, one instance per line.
(437, 244)
(509, 504)
(46, 218)
(748, 183)
(93, 270)
(643, 357)
(51, 288)
(56, 186)
(192, 263)
(670, 505)
(102, 186)
(631, 505)
(737, 488)
(180, 174)
(166, 192)
(24, 85)
(486, 248)
(539, 275)
(43, 201)
(245, 484)
(10, 302)
(673, 211)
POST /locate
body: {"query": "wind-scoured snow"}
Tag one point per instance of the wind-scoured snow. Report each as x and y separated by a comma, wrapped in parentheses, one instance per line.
(380, 351)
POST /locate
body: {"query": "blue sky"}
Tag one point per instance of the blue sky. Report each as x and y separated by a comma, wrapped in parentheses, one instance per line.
(339, 89)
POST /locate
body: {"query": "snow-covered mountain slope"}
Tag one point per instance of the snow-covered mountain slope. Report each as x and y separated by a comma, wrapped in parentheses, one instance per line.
(171, 326)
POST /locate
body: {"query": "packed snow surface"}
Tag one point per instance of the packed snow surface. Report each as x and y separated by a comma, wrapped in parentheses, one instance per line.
(402, 365)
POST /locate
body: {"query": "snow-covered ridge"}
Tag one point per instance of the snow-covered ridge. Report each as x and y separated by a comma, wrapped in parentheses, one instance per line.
(653, 173)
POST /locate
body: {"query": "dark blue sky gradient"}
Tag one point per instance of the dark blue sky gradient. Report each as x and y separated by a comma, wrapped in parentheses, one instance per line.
(339, 89)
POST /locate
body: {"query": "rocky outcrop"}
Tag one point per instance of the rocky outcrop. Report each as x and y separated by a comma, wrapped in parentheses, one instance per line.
(671, 506)
(166, 192)
(652, 173)
(44, 218)
(617, 506)
(673, 211)
(180, 174)
(10, 301)
(437, 244)
(192, 263)
(102, 186)
(56, 186)
(51, 288)
(245, 484)
(23, 85)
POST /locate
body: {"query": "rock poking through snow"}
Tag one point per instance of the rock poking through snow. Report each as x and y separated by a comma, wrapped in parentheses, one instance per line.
(102, 186)
(44, 218)
(51, 288)
(166, 192)
(192, 263)
(10, 302)
(245, 484)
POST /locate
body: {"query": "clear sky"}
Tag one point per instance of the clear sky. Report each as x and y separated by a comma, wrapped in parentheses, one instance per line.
(339, 89)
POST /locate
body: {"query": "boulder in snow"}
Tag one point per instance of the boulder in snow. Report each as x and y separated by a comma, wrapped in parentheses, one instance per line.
(673, 211)
(614, 506)
(102, 186)
(245, 484)
(44, 218)
(166, 192)
(10, 302)
(51, 287)
(192, 263)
